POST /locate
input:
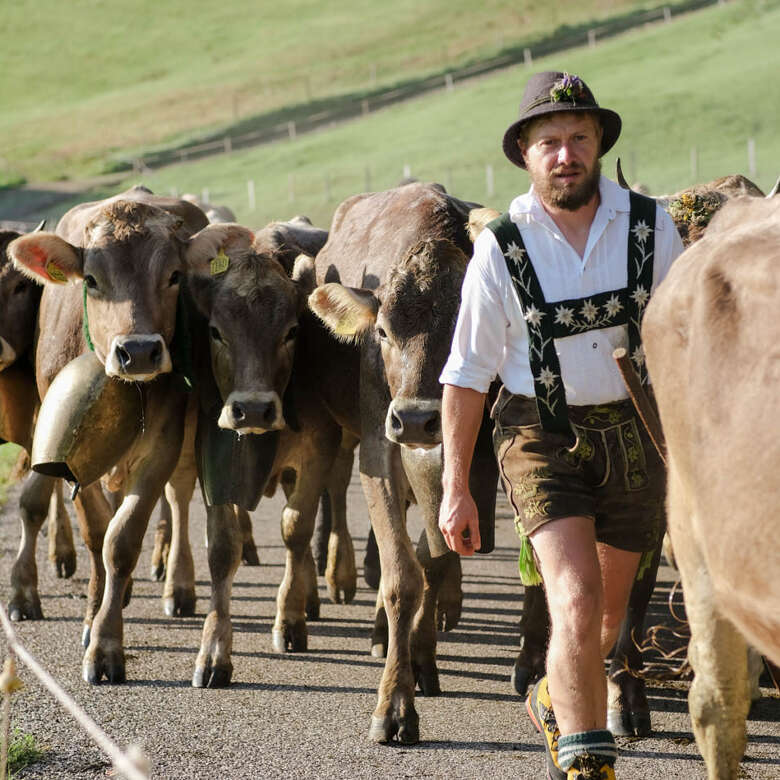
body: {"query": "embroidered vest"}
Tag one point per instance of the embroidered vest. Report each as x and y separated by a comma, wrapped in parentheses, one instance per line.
(549, 321)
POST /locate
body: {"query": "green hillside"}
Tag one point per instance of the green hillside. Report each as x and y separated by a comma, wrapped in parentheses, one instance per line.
(706, 82)
(85, 79)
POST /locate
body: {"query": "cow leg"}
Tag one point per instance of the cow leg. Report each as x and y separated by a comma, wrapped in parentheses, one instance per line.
(322, 526)
(248, 548)
(93, 513)
(719, 695)
(179, 590)
(628, 711)
(341, 573)
(379, 632)
(295, 594)
(25, 604)
(534, 636)
(213, 667)
(401, 588)
(162, 540)
(122, 545)
(62, 552)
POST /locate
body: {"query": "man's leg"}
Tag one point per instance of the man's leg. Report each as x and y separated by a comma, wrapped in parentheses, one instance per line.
(588, 586)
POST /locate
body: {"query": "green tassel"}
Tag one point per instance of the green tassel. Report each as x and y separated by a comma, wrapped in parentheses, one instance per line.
(526, 563)
(644, 564)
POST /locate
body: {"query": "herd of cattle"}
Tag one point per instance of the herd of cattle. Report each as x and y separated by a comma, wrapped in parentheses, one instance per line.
(257, 359)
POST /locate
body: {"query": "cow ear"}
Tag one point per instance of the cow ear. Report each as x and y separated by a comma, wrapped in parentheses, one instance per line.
(347, 311)
(205, 254)
(46, 258)
(304, 276)
(478, 218)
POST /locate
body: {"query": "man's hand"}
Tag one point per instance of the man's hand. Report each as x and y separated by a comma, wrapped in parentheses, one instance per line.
(459, 523)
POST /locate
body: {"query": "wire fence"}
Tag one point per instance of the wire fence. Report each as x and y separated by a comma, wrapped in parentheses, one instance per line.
(132, 765)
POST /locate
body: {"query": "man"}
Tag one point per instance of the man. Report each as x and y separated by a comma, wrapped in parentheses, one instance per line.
(553, 288)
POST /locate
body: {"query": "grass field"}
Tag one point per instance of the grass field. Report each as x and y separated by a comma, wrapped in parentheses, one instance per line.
(9, 454)
(83, 79)
(707, 81)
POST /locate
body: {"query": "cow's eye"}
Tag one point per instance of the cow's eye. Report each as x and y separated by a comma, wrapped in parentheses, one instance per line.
(382, 333)
(90, 281)
(175, 279)
(292, 333)
(215, 334)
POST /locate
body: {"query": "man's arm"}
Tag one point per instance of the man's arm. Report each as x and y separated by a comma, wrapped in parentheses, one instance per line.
(461, 412)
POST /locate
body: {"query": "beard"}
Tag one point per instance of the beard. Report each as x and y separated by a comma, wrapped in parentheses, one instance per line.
(569, 197)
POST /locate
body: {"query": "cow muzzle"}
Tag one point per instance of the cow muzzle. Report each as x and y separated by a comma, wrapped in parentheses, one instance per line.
(414, 423)
(7, 354)
(138, 358)
(258, 412)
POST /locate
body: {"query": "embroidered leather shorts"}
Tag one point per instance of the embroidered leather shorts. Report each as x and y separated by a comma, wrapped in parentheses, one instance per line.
(611, 472)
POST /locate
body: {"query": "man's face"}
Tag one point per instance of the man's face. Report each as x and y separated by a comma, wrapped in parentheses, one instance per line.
(562, 158)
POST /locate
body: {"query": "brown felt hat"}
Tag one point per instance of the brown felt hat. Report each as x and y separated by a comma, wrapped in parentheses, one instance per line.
(552, 91)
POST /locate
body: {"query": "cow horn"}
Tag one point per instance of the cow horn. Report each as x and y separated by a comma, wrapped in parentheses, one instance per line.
(41, 226)
(775, 190)
(620, 178)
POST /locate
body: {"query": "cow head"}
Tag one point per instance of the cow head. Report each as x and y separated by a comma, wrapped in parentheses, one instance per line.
(253, 308)
(19, 298)
(129, 259)
(411, 319)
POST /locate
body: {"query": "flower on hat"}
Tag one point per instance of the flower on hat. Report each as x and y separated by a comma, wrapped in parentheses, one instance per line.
(569, 88)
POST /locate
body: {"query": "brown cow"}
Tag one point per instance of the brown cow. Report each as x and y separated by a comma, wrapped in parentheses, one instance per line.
(119, 264)
(710, 339)
(392, 271)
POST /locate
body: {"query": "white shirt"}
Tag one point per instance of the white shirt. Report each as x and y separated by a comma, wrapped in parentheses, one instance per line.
(491, 337)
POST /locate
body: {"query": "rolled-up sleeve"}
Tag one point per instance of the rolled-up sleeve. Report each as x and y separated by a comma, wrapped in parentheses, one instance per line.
(479, 343)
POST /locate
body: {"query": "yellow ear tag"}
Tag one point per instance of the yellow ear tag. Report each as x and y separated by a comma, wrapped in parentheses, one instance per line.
(220, 263)
(55, 273)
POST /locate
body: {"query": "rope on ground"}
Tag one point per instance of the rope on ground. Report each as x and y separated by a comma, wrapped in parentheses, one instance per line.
(133, 765)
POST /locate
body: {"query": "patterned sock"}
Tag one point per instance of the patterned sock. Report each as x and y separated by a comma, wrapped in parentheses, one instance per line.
(599, 742)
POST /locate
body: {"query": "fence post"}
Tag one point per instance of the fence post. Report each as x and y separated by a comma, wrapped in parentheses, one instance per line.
(527, 59)
(489, 180)
(407, 171)
(250, 193)
(228, 144)
(291, 130)
(667, 14)
(751, 150)
(204, 196)
(448, 82)
(591, 38)
(364, 107)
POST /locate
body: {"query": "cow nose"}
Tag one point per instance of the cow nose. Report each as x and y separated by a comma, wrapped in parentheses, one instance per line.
(140, 355)
(252, 412)
(415, 424)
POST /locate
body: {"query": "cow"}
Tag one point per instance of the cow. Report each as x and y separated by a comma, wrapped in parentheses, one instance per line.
(19, 301)
(709, 334)
(389, 288)
(266, 350)
(112, 274)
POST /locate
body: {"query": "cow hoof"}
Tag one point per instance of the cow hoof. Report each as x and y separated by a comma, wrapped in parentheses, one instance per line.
(379, 650)
(629, 724)
(181, 604)
(341, 595)
(128, 593)
(108, 665)
(64, 564)
(427, 678)
(447, 616)
(249, 555)
(212, 676)
(406, 730)
(521, 677)
(290, 638)
(26, 609)
(157, 571)
(86, 635)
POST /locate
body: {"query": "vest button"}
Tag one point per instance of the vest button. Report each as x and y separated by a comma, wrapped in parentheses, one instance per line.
(595, 345)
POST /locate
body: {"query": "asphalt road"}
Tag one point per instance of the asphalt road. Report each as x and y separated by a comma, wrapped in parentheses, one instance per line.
(307, 715)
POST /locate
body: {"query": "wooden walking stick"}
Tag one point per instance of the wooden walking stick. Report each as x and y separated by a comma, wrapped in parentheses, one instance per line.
(641, 402)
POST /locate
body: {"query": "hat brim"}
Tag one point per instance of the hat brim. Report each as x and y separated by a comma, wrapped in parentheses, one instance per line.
(610, 121)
